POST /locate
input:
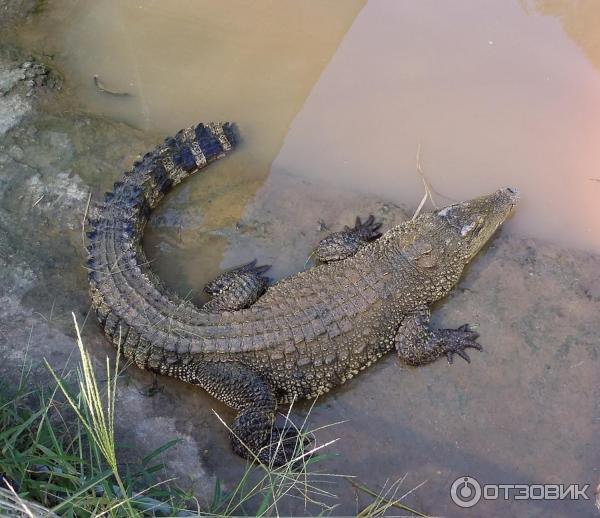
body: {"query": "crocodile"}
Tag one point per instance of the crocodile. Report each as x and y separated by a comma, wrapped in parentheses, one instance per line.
(259, 344)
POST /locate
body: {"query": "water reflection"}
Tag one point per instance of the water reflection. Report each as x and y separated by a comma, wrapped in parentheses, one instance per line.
(495, 96)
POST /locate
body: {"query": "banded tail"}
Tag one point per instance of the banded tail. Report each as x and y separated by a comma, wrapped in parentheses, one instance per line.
(130, 302)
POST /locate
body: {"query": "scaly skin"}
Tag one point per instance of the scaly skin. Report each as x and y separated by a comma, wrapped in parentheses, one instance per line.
(306, 334)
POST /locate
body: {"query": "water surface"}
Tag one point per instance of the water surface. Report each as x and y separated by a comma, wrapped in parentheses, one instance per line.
(495, 93)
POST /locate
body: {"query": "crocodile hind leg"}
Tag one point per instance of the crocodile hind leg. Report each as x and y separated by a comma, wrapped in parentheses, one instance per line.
(253, 434)
(344, 244)
(238, 288)
(417, 344)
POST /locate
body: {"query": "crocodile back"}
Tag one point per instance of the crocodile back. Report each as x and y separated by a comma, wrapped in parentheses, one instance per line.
(294, 321)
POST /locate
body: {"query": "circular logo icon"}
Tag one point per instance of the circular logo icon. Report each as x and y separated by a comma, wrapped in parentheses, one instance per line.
(465, 491)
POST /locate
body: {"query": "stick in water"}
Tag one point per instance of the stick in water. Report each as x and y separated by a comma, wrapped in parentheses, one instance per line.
(100, 86)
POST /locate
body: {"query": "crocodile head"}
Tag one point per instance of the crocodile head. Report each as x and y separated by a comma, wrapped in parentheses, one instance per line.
(441, 243)
(469, 225)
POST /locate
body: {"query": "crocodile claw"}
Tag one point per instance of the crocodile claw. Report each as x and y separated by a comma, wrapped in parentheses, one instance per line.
(290, 435)
(457, 340)
(285, 446)
(252, 268)
(367, 230)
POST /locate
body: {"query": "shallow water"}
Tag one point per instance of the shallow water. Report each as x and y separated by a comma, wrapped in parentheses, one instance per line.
(495, 93)
(333, 99)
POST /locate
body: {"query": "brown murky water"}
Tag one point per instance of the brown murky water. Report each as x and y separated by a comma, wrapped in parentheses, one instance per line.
(496, 93)
(337, 96)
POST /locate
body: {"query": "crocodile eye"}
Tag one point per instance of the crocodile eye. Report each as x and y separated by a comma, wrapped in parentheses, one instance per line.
(473, 228)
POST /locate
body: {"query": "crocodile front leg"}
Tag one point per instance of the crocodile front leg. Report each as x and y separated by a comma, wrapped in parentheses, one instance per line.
(252, 432)
(417, 344)
(238, 288)
(344, 244)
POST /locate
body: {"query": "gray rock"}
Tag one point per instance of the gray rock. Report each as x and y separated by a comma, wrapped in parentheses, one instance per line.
(20, 82)
(13, 12)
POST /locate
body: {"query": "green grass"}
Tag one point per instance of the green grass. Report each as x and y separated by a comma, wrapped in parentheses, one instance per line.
(57, 448)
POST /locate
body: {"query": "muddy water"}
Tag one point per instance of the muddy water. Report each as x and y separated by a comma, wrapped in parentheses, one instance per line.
(199, 61)
(333, 99)
(495, 93)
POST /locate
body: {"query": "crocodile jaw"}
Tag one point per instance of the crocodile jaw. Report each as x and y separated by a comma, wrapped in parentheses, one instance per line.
(474, 222)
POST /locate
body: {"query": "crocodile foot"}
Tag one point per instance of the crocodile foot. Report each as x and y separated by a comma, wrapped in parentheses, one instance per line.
(286, 446)
(367, 230)
(238, 288)
(344, 244)
(455, 341)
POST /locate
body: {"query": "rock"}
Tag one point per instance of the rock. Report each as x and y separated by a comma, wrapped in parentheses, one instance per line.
(12, 109)
(20, 83)
(13, 12)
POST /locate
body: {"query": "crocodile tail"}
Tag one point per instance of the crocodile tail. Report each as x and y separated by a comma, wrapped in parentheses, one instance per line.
(130, 302)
